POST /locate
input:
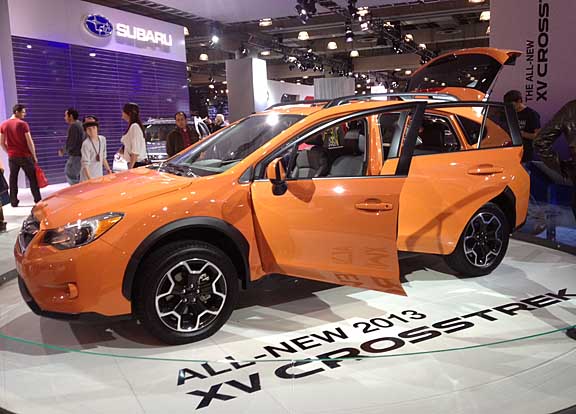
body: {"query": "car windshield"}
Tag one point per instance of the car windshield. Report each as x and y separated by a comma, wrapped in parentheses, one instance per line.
(231, 145)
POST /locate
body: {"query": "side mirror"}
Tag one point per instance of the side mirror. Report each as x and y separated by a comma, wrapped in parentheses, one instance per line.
(277, 176)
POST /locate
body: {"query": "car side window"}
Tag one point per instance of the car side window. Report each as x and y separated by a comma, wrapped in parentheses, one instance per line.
(496, 133)
(436, 136)
(336, 151)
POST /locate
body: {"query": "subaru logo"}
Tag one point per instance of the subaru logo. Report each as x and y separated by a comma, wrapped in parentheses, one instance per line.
(98, 25)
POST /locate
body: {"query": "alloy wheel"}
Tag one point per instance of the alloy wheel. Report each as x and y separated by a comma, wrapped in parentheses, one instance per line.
(191, 295)
(483, 240)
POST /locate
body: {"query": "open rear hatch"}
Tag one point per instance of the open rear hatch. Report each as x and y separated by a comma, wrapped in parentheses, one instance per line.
(468, 74)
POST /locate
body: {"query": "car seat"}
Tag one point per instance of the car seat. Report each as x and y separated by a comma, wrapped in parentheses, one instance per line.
(312, 162)
(350, 165)
(432, 138)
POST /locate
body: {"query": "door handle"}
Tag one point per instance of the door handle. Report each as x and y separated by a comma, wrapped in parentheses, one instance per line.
(374, 206)
(485, 169)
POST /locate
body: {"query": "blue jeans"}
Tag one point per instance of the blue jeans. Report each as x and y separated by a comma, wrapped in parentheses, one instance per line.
(72, 169)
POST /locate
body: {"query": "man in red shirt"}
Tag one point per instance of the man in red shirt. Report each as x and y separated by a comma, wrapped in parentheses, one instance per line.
(16, 140)
(181, 137)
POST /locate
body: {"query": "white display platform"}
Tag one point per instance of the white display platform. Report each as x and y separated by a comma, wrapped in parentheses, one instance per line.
(483, 367)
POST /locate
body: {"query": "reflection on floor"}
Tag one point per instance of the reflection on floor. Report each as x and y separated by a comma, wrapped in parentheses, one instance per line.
(283, 322)
(551, 222)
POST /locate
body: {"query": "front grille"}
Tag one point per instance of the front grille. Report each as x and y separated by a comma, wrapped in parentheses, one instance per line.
(30, 228)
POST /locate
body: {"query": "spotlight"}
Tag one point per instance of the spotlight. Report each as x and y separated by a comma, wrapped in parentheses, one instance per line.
(349, 34)
(302, 14)
(211, 86)
(364, 26)
(214, 40)
(422, 46)
(243, 51)
(305, 9)
(409, 37)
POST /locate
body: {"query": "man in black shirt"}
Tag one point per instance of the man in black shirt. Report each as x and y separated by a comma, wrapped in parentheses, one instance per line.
(529, 121)
(73, 146)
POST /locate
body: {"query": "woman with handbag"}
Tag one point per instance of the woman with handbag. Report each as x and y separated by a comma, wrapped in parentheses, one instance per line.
(133, 140)
(93, 153)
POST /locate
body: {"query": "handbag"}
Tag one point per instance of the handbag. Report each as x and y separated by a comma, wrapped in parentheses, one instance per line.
(4, 194)
(40, 177)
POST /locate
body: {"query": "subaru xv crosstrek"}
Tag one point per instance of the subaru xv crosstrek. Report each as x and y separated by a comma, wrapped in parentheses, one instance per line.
(331, 191)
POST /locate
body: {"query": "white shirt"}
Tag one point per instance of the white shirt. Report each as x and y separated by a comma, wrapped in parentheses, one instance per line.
(134, 143)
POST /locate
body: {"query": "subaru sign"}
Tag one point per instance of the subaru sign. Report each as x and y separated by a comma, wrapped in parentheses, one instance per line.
(98, 25)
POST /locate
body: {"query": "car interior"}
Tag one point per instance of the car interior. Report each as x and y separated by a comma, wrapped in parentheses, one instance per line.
(335, 152)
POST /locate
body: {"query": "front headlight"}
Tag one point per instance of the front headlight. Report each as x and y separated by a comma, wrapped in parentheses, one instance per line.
(81, 232)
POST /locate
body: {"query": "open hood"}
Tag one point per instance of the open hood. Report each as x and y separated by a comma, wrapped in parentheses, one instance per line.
(469, 74)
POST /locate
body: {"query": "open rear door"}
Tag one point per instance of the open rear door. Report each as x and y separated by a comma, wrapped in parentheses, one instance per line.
(469, 74)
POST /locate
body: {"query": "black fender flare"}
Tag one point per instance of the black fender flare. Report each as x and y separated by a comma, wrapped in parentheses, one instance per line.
(205, 223)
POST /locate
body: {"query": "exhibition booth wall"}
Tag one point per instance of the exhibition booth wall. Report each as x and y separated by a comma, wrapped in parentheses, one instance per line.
(59, 63)
(542, 31)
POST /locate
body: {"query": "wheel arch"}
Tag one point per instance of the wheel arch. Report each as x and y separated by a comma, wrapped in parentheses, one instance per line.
(207, 229)
(506, 200)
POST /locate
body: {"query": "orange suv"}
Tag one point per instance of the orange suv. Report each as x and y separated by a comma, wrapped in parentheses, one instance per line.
(324, 190)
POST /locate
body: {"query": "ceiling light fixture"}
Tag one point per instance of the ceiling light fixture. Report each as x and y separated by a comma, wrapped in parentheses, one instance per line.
(267, 21)
(215, 39)
(203, 57)
(485, 16)
(265, 53)
(303, 35)
(476, 1)
(354, 53)
(332, 45)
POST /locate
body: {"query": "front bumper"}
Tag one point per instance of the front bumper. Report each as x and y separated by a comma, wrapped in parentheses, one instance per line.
(94, 272)
(80, 317)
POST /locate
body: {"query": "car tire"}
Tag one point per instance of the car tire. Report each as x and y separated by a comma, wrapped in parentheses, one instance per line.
(483, 243)
(187, 292)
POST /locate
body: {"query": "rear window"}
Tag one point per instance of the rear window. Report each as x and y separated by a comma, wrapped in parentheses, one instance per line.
(496, 130)
(459, 71)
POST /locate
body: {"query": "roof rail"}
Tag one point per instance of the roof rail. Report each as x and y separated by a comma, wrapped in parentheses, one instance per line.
(309, 102)
(405, 96)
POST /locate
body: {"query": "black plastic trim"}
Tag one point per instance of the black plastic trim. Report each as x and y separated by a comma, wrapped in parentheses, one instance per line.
(208, 223)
